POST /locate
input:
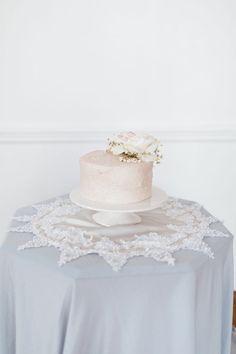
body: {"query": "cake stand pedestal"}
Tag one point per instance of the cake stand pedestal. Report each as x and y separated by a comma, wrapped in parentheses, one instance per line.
(111, 218)
(120, 214)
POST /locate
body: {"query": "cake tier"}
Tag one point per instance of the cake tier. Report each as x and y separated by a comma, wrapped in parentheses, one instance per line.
(104, 178)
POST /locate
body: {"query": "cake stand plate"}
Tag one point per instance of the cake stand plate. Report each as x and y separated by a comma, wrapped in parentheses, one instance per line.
(119, 214)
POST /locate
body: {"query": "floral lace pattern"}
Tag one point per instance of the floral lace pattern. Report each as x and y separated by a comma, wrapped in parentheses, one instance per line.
(176, 225)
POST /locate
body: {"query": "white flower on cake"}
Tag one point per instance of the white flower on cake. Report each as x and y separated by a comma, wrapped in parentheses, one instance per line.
(133, 147)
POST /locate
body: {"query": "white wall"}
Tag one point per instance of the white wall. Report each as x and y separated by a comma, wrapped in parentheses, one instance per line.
(113, 63)
(67, 67)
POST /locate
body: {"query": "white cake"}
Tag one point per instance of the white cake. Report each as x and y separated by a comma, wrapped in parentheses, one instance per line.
(105, 178)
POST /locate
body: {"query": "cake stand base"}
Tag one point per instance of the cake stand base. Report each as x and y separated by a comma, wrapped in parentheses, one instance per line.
(120, 214)
(109, 218)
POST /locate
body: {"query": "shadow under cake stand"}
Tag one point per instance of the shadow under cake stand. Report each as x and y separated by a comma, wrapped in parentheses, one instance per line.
(119, 214)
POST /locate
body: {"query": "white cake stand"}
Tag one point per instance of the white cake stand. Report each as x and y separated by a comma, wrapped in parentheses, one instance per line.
(119, 214)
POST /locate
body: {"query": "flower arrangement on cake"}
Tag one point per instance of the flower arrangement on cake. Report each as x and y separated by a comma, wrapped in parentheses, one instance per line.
(134, 147)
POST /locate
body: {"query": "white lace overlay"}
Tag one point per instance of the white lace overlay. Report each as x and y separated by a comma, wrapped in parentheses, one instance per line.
(174, 226)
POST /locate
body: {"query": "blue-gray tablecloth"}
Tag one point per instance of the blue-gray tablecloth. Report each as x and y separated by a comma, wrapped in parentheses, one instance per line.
(85, 307)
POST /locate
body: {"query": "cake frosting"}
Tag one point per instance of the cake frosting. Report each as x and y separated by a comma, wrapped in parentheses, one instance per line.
(105, 178)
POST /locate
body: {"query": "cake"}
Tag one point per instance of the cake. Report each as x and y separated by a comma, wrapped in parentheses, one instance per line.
(123, 173)
(104, 178)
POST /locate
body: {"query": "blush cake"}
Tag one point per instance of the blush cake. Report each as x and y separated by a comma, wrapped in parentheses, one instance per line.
(104, 178)
(123, 173)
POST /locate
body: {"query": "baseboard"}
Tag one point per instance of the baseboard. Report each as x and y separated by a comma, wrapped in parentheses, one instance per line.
(17, 136)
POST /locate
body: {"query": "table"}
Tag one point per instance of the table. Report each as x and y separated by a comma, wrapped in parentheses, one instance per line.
(85, 307)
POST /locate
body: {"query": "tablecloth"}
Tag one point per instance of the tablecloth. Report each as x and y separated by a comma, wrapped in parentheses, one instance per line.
(85, 307)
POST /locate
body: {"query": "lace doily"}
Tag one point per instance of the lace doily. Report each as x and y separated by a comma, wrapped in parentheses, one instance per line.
(174, 226)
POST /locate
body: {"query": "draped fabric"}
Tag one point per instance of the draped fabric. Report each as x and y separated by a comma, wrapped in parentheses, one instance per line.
(176, 225)
(85, 307)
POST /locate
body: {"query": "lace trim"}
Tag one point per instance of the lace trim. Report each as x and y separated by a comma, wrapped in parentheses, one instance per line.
(55, 224)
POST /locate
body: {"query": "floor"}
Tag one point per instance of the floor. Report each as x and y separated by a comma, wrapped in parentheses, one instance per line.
(233, 348)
